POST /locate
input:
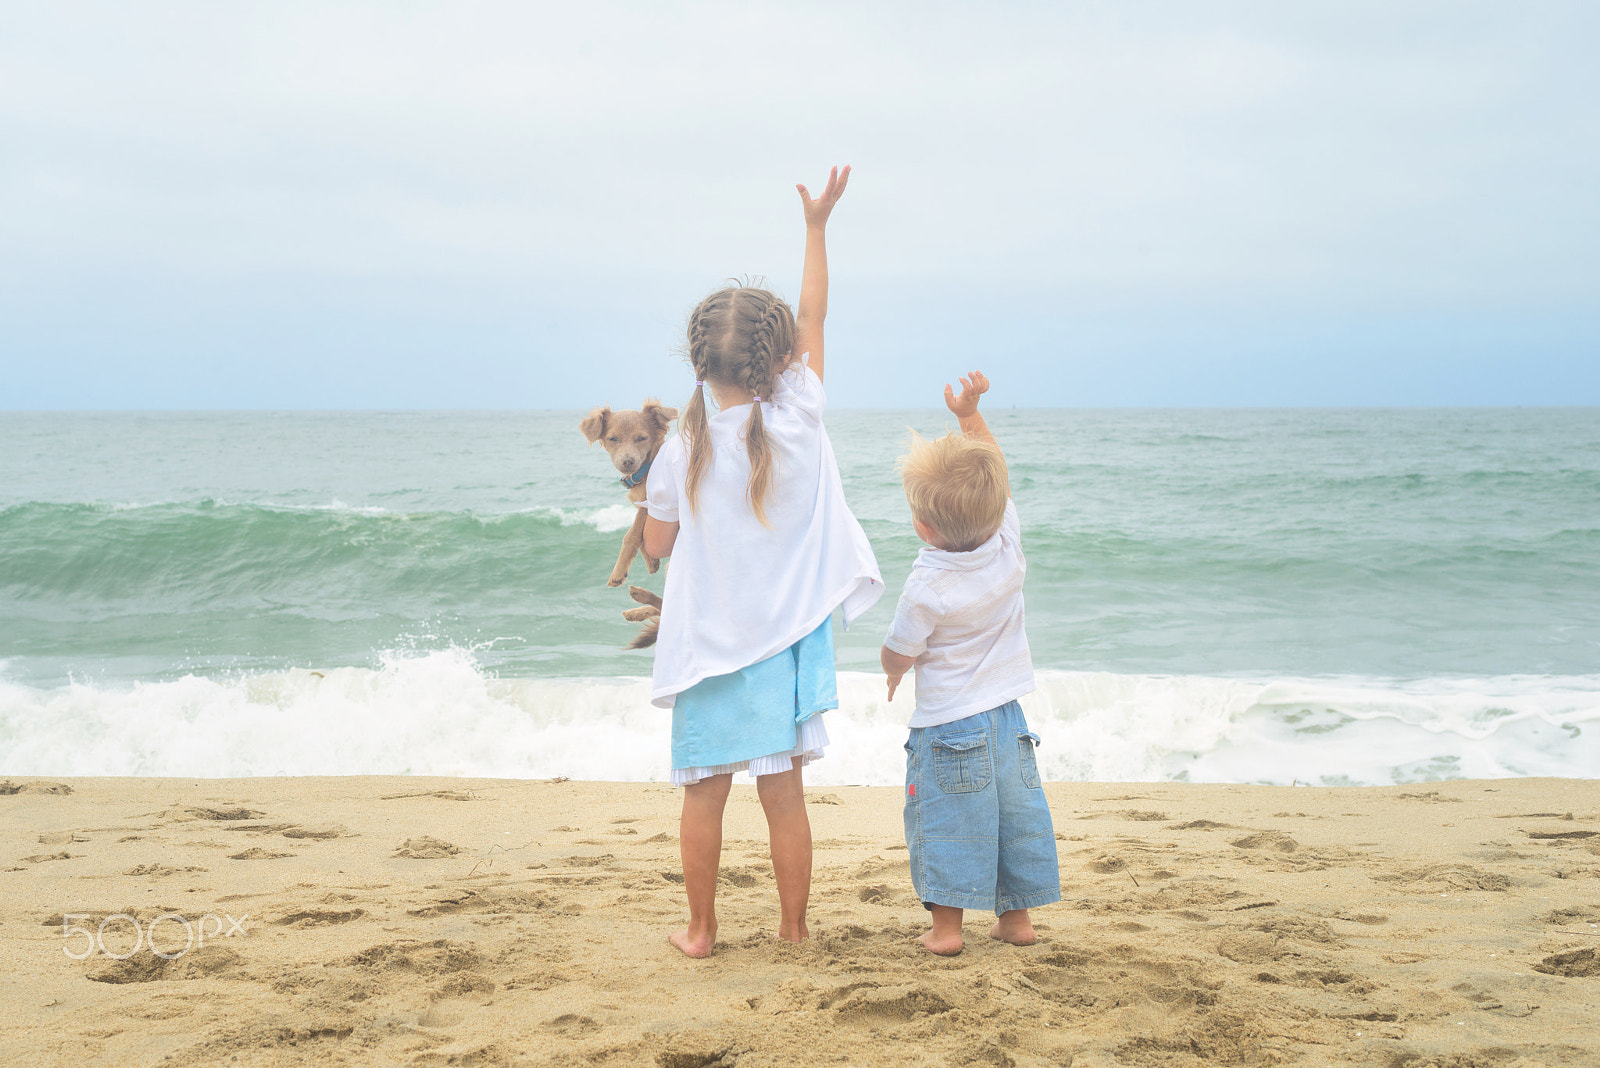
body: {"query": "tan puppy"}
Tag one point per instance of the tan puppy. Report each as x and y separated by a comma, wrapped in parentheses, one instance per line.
(632, 440)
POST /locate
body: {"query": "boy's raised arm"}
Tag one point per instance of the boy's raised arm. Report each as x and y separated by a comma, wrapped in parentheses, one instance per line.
(965, 407)
(814, 275)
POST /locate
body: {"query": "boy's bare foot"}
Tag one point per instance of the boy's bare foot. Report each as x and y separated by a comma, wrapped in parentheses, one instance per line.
(798, 933)
(693, 944)
(1015, 927)
(945, 938)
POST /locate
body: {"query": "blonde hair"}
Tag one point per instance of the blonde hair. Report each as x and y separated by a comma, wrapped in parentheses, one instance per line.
(957, 485)
(742, 336)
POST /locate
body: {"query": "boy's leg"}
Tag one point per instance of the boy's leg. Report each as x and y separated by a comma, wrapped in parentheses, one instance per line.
(1029, 874)
(783, 799)
(1015, 927)
(945, 937)
(700, 838)
(952, 824)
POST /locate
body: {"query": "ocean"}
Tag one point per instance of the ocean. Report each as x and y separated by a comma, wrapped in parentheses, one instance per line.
(1322, 597)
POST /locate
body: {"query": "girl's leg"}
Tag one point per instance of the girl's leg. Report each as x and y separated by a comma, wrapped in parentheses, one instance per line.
(789, 830)
(700, 837)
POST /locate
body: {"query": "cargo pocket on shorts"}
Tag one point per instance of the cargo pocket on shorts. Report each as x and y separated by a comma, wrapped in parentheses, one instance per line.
(961, 762)
(1026, 742)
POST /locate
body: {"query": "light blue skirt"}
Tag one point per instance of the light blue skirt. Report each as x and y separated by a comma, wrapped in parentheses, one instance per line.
(760, 717)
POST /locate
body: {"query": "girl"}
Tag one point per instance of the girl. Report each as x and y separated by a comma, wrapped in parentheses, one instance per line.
(749, 504)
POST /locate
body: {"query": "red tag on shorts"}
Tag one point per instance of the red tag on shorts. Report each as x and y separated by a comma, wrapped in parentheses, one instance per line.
(911, 790)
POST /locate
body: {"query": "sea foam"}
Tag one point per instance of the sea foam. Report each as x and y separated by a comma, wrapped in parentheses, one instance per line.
(441, 713)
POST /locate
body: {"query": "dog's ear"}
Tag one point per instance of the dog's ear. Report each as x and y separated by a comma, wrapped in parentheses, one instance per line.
(663, 416)
(594, 424)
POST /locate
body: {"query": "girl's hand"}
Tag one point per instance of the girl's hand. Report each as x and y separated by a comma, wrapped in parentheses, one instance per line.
(966, 405)
(818, 210)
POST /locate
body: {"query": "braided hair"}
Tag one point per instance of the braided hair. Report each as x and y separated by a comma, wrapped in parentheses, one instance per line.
(742, 336)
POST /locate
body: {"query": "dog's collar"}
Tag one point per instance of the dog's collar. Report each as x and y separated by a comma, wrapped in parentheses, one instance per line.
(630, 481)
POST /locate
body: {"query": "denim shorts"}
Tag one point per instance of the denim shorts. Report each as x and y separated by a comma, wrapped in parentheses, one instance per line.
(977, 823)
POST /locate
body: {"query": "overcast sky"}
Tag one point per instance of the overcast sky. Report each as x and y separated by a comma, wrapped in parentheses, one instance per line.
(401, 204)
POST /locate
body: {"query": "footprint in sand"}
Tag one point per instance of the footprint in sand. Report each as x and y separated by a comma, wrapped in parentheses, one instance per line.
(160, 870)
(879, 1005)
(735, 877)
(323, 833)
(1459, 876)
(1267, 840)
(465, 985)
(40, 858)
(1371, 919)
(425, 848)
(146, 967)
(7, 788)
(229, 814)
(257, 853)
(487, 900)
(589, 862)
(1433, 797)
(303, 918)
(1579, 963)
(441, 956)
(572, 1024)
(1588, 914)
(443, 795)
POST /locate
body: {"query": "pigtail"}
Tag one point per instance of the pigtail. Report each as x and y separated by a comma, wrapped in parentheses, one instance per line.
(693, 423)
(759, 450)
(695, 429)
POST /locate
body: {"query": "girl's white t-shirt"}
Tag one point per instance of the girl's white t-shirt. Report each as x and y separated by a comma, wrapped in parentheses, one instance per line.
(738, 592)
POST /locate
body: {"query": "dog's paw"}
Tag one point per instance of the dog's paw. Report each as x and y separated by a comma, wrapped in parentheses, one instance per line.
(644, 596)
(652, 564)
(640, 614)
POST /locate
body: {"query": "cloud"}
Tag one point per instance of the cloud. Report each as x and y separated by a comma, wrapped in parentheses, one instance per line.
(1091, 156)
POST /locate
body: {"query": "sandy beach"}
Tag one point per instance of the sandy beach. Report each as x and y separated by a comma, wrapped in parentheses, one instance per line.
(398, 920)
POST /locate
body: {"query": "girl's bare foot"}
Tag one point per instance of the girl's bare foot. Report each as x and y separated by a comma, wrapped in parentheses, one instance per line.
(1015, 927)
(692, 943)
(942, 943)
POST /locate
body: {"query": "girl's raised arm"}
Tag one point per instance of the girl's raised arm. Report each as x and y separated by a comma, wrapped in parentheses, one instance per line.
(814, 276)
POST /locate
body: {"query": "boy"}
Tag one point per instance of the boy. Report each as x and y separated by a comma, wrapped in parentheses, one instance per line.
(977, 823)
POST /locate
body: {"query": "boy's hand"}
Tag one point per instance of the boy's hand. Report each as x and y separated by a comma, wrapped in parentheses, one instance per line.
(895, 666)
(966, 405)
(818, 210)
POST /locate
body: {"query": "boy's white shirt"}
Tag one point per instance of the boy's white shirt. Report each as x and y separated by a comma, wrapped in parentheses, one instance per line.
(961, 617)
(738, 592)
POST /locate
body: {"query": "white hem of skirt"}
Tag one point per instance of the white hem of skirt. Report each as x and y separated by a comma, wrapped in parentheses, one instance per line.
(812, 741)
